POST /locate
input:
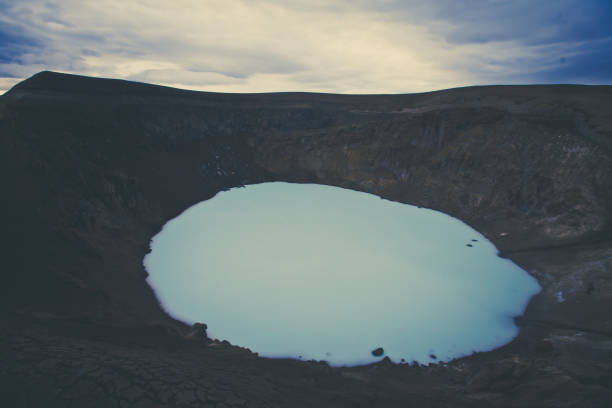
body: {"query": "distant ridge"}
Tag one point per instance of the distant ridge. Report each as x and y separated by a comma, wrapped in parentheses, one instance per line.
(71, 83)
(56, 81)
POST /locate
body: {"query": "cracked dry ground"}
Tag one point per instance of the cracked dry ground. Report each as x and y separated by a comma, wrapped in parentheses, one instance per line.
(77, 363)
(148, 368)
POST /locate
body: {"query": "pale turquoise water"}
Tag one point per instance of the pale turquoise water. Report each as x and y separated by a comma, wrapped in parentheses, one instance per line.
(325, 273)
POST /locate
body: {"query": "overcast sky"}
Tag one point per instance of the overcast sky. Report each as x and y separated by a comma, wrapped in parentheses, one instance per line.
(369, 46)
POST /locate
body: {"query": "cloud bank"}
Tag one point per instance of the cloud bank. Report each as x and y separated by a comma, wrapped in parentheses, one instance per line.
(378, 46)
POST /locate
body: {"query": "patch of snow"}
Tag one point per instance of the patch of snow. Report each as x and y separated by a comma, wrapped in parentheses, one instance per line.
(560, 297)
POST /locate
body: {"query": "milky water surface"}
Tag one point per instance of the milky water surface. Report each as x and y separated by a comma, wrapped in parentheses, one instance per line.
(318, 272)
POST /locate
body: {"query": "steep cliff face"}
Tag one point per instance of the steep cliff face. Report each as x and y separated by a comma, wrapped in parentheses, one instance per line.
(91, 169)
(538, 157)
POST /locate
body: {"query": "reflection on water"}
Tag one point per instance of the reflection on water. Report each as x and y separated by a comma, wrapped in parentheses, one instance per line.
(326, 273)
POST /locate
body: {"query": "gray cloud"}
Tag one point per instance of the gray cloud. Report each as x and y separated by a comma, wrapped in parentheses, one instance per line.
(333, 46)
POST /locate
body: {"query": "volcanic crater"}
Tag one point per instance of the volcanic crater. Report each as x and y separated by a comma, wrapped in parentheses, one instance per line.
(93, 168)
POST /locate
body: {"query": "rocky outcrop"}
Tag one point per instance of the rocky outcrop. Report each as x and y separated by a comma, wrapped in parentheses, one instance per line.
(92, 168)
(198, 333)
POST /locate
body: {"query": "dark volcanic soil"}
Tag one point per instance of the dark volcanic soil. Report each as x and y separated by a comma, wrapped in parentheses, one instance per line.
(91, 169)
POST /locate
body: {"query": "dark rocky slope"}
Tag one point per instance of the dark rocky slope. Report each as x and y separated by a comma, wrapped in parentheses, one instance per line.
(92, 168)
